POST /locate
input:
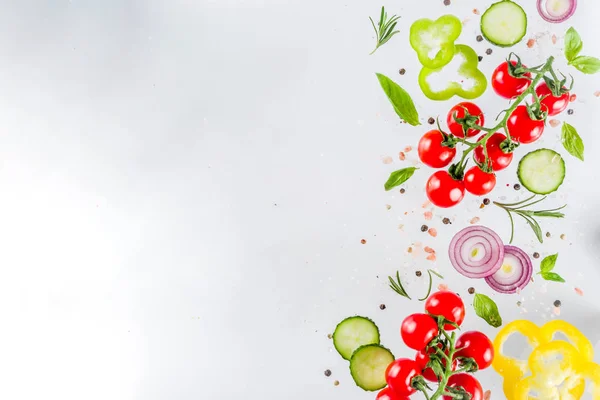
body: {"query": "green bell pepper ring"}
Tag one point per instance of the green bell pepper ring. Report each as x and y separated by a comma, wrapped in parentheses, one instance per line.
(434, 40)
(459, 77)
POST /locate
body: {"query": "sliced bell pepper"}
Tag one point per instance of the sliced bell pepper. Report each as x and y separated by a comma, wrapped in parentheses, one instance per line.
(460, 77)
(434, 40)
(577, 339)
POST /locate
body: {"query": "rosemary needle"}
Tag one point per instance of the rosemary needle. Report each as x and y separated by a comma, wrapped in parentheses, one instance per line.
(384, 29)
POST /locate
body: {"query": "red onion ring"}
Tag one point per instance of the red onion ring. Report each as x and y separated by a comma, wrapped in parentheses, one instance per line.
(550, 15)
(516, 276)
(465, 249)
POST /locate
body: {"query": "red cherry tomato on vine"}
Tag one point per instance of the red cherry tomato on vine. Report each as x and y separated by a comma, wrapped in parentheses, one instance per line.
(417, 330)
(498, 157)
(422, 358)
(443, 190)
(477, 346)
(507, 85)
(399, 374)
(447, 304)
(479, 182)
(458, 111)
(522, 128)
(555, 105)
(389, 394)
(468, 383)
(432, 152)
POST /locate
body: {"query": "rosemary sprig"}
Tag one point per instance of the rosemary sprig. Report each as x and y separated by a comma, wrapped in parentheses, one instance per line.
(529, 215)
(430, 271)
(385, 29)
(397, 287)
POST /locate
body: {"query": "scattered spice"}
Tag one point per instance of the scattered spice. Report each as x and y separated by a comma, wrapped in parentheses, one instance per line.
(409, 249)
(573, 98)
(426, 204)
(479, 38)
(329, 336)
(327, 373)
(363, 241)
(471, 290)
(480, 58)
(519, 304)
(488, 51)
(531, 43)
(387, 206)
(597, 93)
(486, 201)
(579, 291)
(428, 215)
(407, 149)
(554, 123)
(387, 160)
(431, 121)
(402, 71)
(548, 234)
(336, 383)
(402, 190)
(446, 2)
(557, 303)
(570, 111)
(382, 306)
(556, 311)
(418, 273)
(428, 250)
(446, 221)
(536, 255)
(474, 220)
(517, 186)
(487, 395)
(424, 228)
(402, 156)
(433, 232)
(475, 11)
(481, 206)
(554, 39)
(563, 236)
(442, 286)
(431, 257)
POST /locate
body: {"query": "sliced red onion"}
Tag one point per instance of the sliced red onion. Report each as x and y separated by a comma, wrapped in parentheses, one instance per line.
(476, 252)
(556, 11)
(515, 272)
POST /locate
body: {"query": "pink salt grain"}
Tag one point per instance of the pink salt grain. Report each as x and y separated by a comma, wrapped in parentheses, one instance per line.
(431, 257)
(428, 215)
(426, 204)
(573, 98)
(554, 40)
(475, 11)
(554, 123)
(432, 232)
(402, 156)
(531, 43)
(474, 220)
(556, 311)
(597, 93)
(429, 250)
(579, 291)
(387, 160)
(407, 149)
(442, 286)
(487, 395)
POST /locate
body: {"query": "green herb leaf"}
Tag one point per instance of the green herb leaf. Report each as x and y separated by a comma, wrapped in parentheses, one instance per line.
(573, 44)
(586, 64)
(488, 310)
(552, 276)
(551, 214)
(396, 286)
(572, 141)
(534, 225)
(400, 99)
(548, 263)
(397, 178)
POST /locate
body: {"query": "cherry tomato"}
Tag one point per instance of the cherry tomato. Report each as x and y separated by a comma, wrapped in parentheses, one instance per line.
(522, 128)
(432, 152)
(417, 330)
(477, 346)
(506, 85)
(498, 157)
(389, 394)
(458, 111)
(555, 105)
(443, 190)
(447, 304)
(479, 182)
(399, 374)
(468, 383)
(422, 358)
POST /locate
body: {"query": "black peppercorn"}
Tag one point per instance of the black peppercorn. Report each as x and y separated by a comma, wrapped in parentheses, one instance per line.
(446, 2)
(548, 234)
(536, 255)
(479, 38)
(424, 228)
(517, 186)
(570, 111)
(486, 201)
(471, 290)
(327, 372)
(557, 303)
(382, 306)
(446, 221)
(402, 190)
(488, 51)
(480, 58)
(402, 71)
(418, 273)
(431, 121)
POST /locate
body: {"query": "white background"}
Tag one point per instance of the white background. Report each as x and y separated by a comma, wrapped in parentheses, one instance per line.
(185, 185)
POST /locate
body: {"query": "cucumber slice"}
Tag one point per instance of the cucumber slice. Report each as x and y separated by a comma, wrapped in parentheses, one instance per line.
(541, 171)
(504, 23)
(352, 333)
(368, 365)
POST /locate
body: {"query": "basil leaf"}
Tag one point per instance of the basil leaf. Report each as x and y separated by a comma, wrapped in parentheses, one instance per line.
(551, 276)
(586, 64)
(548, 263)
(573, 44)
(400, 99)
(488, 310)
(397, 178)
(572, 141)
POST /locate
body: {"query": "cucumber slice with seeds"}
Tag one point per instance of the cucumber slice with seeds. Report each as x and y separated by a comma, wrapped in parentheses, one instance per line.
(352, 333)
(504, 23)
(541, 171)
(368, 365)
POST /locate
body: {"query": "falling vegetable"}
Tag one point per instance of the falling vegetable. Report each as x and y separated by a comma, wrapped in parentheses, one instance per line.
(514, 274)
(573, 46)
(486, 309)
(504, 23)
(546, 268)
(556, 11)
(384, 29)
(476, 252)
(400, 99)
(434, 40)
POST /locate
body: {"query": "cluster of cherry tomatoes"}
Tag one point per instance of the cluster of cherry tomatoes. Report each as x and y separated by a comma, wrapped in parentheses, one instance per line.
(418, 330)
(525, 124)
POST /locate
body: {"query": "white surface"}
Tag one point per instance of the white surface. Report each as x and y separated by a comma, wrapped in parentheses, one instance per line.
(185, 186)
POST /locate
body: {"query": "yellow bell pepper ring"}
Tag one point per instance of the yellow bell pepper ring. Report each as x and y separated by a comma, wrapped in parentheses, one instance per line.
(509, 366)
(578, 339)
